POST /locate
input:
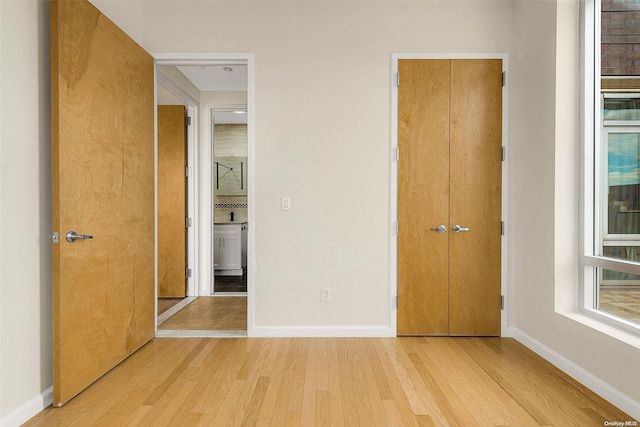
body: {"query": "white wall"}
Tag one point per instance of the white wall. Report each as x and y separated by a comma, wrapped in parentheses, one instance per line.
(543, 208)
(322, 84)
(322, 123)
(25, 199)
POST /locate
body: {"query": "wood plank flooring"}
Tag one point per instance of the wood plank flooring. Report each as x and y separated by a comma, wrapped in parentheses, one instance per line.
(334, 382)
(210, 314)
(165, 304)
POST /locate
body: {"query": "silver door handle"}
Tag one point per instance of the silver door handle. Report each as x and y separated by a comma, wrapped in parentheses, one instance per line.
(72, 236)
(456, 228)
(440, 229)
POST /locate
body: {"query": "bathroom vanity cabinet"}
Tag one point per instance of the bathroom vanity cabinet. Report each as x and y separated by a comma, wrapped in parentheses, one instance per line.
(229, 249)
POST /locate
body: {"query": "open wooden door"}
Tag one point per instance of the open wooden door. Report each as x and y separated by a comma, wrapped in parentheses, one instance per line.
(102, 167)
(172, 201)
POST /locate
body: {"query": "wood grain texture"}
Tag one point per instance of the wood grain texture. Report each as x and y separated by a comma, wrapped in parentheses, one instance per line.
(210, 314)
(434, 381)
(102, 175)
(165, 304)
(423, 196)
(172, 199)
(449, 172)
(475, 198)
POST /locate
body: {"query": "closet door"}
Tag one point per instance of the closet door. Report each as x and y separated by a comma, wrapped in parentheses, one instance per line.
(449, 197)
(423, 197)
(475, 197)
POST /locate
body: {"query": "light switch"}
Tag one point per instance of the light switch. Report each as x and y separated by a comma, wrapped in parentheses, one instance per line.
(286, 203)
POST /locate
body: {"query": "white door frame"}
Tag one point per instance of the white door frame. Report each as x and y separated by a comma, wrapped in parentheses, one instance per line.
(393, 235)
(201, 234)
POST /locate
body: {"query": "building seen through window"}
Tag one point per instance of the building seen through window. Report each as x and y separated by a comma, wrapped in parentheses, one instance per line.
(617, 292)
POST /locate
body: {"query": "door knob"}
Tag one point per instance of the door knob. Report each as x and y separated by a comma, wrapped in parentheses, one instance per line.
(440, 229)
(72, 236)
(456, 228)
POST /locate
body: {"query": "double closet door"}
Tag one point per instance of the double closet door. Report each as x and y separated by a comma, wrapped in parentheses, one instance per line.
(449, 197)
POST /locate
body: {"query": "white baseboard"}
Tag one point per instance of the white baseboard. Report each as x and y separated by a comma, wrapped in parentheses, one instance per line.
(322, 331)
(602, 388)
(28, 410)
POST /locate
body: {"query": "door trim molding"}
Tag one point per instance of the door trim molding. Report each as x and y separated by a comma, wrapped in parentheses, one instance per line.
(202, 232)
(393, 177)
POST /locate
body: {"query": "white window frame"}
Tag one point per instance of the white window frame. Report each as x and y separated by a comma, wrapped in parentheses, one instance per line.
(591, 167)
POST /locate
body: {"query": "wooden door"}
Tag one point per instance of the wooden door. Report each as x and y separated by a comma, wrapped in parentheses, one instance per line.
(449, 173)
(475, 197)
(102, 177)
(172, 241)
(423, 139)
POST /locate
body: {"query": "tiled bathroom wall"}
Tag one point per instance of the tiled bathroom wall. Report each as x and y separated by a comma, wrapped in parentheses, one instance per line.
(230, 140)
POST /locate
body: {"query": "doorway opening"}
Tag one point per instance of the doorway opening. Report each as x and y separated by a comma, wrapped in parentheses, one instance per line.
(215, 83)
(230, 189)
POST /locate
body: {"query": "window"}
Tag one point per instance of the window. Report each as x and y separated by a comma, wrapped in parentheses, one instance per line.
(611, 162)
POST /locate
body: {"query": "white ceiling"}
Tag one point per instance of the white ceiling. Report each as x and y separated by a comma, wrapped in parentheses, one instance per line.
(211, 78)
(216, 77)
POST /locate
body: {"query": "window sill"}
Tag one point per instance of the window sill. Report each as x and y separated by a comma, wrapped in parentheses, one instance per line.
(604, 327)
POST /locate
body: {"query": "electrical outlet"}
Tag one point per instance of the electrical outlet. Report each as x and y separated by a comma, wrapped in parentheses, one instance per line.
(326, 294)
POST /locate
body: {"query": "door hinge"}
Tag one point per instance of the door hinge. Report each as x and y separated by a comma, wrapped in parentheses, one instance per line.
(188, 122)
(187, 222)
(397, 297)
(395, 228)
(55, 237)
(502, 228)
(504, 78)
(396, 154)
(187, 172)
(398, 79)
(187, 273)
(501, 302)
(504, 153)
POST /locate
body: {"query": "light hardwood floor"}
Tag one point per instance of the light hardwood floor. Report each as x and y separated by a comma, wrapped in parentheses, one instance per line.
(165, 304)
(210, 314)
(334, 382)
